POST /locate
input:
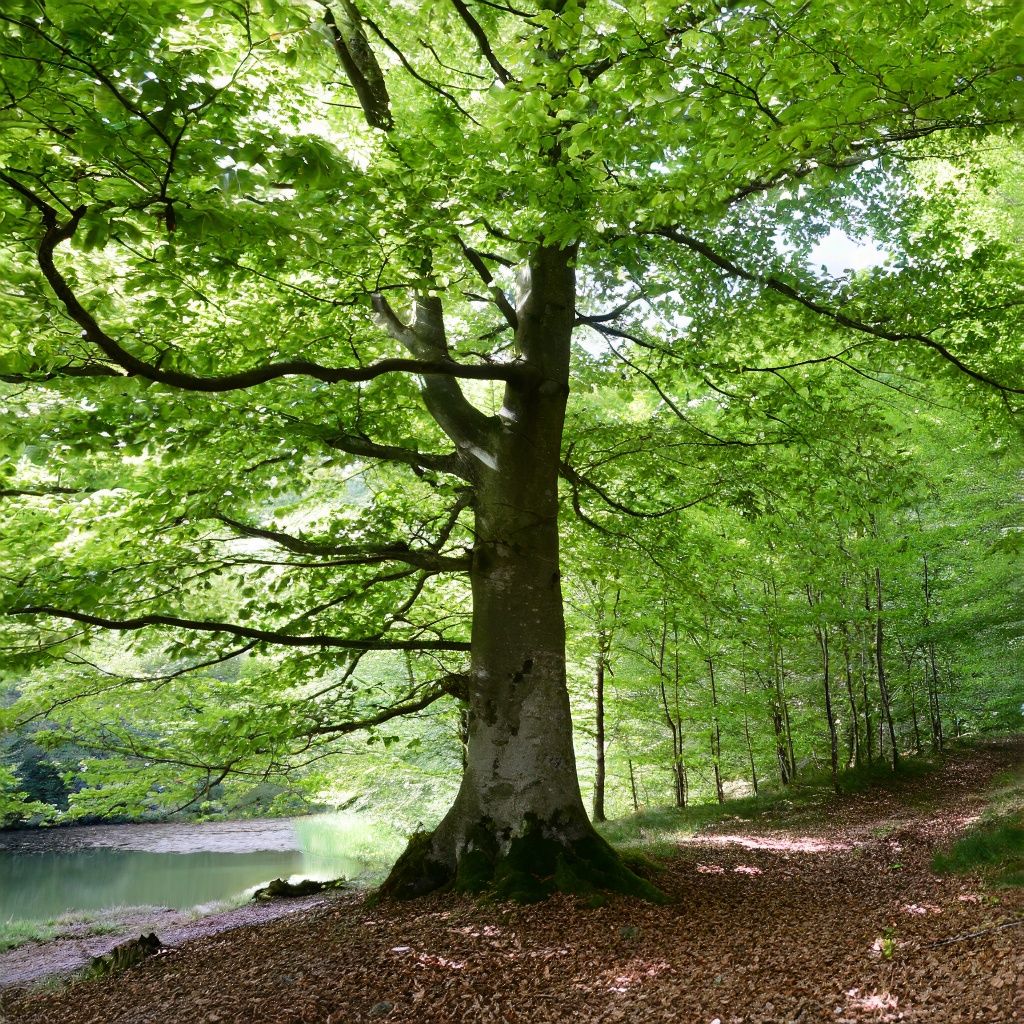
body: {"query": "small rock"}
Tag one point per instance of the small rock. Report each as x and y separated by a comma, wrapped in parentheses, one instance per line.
(381, 1009)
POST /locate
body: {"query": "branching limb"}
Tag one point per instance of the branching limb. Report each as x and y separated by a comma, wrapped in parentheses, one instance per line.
(261, 635)
(592, 319)
(359, 63)
(789, 292)
(364, 448)
(432, 361)
(422, 79)
(451, 686)
(425, 338)
(38, 492)
(47, 373)
(476, 30)
(666, 398)
(579, 482)
(351, 554)
(476, 260)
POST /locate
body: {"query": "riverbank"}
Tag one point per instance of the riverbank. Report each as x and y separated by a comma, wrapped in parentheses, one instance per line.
(70, 893)
(830, 913)
(244, 835)
(33, 962)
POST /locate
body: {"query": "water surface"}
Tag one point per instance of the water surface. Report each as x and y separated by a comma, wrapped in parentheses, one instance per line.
(47, 873)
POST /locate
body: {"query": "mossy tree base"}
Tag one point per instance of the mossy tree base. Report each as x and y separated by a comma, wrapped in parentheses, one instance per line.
(523, 868)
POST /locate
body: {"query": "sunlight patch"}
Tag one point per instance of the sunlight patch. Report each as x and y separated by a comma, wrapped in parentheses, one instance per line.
(803, 844)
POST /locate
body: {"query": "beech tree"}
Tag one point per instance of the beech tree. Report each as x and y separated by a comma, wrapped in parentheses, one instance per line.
(297, 294)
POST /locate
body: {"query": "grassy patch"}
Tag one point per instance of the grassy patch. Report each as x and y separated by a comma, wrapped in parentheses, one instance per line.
(657, 831)
(373, 844)
(878, 775)
(79, 924)
(71, 925)
(994, 845)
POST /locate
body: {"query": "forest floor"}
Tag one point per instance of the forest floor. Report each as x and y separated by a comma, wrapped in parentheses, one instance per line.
(798, 915)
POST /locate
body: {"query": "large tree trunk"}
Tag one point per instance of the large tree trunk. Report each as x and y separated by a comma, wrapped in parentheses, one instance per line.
(518, 824)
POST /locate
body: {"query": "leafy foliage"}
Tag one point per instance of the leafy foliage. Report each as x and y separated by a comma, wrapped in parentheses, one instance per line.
(270, 323)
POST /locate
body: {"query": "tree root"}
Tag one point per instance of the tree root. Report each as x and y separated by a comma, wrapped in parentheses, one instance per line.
(525, 868)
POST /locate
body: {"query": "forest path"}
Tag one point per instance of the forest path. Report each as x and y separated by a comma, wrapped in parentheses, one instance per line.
(824, 915)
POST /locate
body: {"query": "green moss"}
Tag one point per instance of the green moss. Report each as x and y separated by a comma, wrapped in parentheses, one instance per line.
(641, 864)
(536, 864)
(476, 865)
(526, 872)
(533, 866)
(416, 872)
(475, 872)
(610, 873)
(121, 957)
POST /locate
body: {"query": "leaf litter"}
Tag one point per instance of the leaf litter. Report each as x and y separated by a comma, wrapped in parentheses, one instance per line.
(841, 922)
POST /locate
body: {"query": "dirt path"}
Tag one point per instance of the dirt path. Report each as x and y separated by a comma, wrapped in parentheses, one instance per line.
(768, 925)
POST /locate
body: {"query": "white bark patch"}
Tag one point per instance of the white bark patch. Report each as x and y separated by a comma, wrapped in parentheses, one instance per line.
(482, 455)
(522, 764)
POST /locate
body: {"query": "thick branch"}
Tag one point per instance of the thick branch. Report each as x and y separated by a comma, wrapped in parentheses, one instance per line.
(578, 481)
(435, 362)
(349, 554)
(482, 41)
(422, 79)
(497, 294)
(261, 635)
(355, 445)
(42, 375)
(861, 153)
(425, 338)
(360, 65)
(452, 686)
(38, 492)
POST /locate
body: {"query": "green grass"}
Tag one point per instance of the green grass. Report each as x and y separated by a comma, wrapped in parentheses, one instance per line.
(657, 831)
(342, 834)
(994, 845)
(76, 924)
(878, 775)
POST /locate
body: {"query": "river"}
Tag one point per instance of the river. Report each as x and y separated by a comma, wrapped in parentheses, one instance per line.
(48, 872)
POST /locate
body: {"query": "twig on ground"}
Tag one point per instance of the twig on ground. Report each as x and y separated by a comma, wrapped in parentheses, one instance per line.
(973, 935)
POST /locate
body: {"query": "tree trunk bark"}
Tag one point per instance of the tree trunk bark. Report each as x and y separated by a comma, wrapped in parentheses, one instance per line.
(599, 760)
(853, 755)
(934, 707)
(746, 733)
(632, 787)
(716, 734)
(862, 630)
(883, 687)
(821, 634)
(518, 825)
